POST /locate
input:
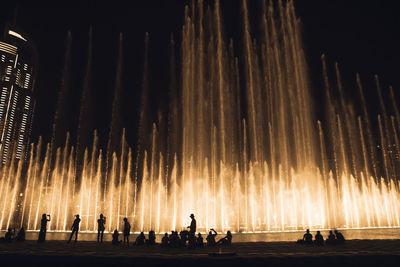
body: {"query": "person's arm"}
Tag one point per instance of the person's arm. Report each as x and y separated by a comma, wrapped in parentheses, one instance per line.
(215, 232)
(49, 218)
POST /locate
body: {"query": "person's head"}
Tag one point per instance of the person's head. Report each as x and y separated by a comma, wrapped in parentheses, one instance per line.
(22, 229)
(318, 232)
(43, 216)
(115, 231)
(330, 232)
(141, 233)
(210, 233)
(166, 234)
(77, 216)
(101, 215)
(229, 233)
(308, 231)
(336, 231)
(9, 229)
(192, 216)
(125, 219)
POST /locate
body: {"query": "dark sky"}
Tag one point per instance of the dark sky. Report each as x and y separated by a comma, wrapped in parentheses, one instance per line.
(363, 36)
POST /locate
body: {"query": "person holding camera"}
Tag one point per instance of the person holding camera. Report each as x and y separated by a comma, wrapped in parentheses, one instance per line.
(100, 228)
(43, 227)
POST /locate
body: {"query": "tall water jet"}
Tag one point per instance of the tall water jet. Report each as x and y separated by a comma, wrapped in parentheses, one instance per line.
(114, 132)
(59, 126)
(84, 127)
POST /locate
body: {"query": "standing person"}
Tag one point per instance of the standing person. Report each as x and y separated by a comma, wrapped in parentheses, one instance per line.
(127, 231)
(43, 227)
(100, 228)
(192, 226)
(75, 228)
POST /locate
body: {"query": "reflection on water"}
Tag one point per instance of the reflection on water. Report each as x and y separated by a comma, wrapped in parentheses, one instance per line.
(374, 233)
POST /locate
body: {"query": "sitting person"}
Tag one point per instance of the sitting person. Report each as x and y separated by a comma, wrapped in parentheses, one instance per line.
(319, 239)
(184, 237)
(174, 240)
(140, 240)
(211, 238)
(339, 237)
(227, 240)
(331, 240)
(115, 240)
(21, 235)
(199, 241)
(152, 238)
(192, 241)
(307, 238)
(8, 237)
(165, 240)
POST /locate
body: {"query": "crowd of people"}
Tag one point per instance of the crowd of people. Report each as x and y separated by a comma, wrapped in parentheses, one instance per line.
(186, 238)
(334, 238)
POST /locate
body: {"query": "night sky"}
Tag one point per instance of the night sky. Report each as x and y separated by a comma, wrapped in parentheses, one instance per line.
(363, 36)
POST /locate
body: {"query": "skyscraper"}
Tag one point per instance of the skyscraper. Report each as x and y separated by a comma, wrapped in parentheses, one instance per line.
(18, 68)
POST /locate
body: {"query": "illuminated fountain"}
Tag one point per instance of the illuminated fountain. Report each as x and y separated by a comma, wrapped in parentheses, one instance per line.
(244, 151)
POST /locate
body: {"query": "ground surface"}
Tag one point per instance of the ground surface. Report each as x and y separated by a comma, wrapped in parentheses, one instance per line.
(59, 253)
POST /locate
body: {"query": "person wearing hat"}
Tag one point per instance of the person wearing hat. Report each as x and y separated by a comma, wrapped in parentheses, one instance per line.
(192, 226)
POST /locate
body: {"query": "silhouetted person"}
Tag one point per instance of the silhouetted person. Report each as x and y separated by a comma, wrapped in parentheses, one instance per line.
(211, 238)
(21, 235)
(115, 240)
(227, 240)
(174, 240)
(319, 239)
(331, 240)
(192, 226)
(100, 228)
(184, 237)
(8, 237)
(339, 237)
(43, 228)
(152, 238)
(192, 241)
(307, 238)
(127, 231)
(165, 240)
(75, 228)
(140, 240)
(199, 241)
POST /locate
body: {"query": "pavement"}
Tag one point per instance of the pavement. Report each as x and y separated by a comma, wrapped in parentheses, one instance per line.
(86, 253)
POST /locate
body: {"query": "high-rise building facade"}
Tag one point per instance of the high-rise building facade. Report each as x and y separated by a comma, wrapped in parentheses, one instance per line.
(18, 67)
